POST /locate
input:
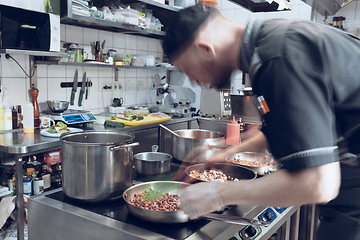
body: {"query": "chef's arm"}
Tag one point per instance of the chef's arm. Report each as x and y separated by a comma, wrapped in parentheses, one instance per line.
(254, 144)
(282, 188)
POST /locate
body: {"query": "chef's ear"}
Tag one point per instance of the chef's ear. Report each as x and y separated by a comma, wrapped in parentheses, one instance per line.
(206, 48)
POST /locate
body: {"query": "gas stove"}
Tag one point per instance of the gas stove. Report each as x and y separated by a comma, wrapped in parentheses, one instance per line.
(72, 116)
(112, 220)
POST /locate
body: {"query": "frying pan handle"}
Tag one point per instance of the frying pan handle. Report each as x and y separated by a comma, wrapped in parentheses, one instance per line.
(218, 146)
(123, 146)
(269, 170)
(234, 219)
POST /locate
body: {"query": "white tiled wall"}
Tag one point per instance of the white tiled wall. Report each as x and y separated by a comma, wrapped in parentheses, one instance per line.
(137, 84)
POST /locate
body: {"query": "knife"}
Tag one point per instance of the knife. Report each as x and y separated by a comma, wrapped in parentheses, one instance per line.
(82, 89)
(73, 91)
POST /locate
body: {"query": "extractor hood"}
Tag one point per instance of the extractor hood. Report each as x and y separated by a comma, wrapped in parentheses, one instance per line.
(327, 7)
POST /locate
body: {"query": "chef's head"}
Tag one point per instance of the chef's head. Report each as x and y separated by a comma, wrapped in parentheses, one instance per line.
(193, 45)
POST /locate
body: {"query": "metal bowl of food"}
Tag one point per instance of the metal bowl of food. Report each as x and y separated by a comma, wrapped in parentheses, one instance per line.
(57, 106)
(260, 163)
(152, 163)
(158, 202)
(223, 172)
(157, 216)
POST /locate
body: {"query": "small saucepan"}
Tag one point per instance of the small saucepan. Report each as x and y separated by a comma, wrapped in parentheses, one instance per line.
(152, 163)
(260, 163)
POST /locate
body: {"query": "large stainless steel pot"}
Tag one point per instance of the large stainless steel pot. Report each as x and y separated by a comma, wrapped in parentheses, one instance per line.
(191, 138)
(96, 165)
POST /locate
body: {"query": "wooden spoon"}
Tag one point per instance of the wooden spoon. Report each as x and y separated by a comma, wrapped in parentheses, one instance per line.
(169, 130)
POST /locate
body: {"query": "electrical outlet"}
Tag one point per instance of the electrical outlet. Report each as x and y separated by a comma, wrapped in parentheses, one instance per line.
(108, 86)
(112, 86)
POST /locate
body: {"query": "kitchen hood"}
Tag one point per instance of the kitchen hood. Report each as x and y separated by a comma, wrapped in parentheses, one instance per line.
(327, 7)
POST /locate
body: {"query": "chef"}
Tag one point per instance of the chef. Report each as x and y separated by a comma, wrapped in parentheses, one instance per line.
(305, 78)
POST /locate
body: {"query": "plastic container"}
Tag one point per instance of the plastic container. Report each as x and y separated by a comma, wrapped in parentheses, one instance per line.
(8, 119)
(2, 119)
(233, 133)
(28, 117)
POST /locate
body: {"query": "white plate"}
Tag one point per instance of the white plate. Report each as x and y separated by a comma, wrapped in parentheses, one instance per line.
(45, 132)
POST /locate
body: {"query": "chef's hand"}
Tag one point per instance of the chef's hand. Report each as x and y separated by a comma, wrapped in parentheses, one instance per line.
(219, 157)
(200, 198)
(197, 155)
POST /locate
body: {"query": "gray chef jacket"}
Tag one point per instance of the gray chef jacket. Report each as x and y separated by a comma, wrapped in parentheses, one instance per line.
(309, 76)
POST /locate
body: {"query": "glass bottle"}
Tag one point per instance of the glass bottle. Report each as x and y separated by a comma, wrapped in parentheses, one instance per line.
(14, 118)
(45, 175)
(19, 117)
(56, 176)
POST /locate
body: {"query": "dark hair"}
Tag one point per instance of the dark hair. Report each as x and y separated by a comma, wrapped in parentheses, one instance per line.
(182, 27)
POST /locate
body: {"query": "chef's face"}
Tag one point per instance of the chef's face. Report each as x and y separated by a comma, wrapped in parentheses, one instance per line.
(206, 72)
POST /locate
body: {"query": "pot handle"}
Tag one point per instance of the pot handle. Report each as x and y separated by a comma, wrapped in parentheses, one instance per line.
(124, 146)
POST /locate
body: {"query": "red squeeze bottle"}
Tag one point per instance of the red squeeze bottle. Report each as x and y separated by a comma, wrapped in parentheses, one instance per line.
(233, 133)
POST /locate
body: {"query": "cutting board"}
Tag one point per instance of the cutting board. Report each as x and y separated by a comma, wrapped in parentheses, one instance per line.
(147, 119)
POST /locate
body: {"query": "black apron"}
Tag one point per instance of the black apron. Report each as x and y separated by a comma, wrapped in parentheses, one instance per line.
(340, 218)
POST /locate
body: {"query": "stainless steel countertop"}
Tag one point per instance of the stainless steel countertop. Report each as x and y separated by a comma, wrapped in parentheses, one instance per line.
(18, 142)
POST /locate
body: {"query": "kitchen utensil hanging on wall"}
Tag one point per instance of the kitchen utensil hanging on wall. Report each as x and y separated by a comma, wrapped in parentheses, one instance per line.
(82, 91)
(75, 85)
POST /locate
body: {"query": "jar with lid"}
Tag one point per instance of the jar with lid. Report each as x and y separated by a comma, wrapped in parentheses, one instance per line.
(38, 186)
(45, 175)
(27, 187)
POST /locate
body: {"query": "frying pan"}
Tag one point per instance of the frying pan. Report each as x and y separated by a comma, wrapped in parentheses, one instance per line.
(260, 157)
(171, 217)
(230, 170)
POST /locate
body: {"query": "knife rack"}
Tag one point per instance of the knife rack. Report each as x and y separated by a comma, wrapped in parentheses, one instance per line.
(70, 84)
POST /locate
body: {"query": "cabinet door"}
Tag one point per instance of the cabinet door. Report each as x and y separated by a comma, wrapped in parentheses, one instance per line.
(146, 138)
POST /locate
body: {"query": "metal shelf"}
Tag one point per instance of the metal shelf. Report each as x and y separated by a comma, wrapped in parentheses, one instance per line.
(33, 53)
(161, 11)
(90, 22)
(104, 65)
